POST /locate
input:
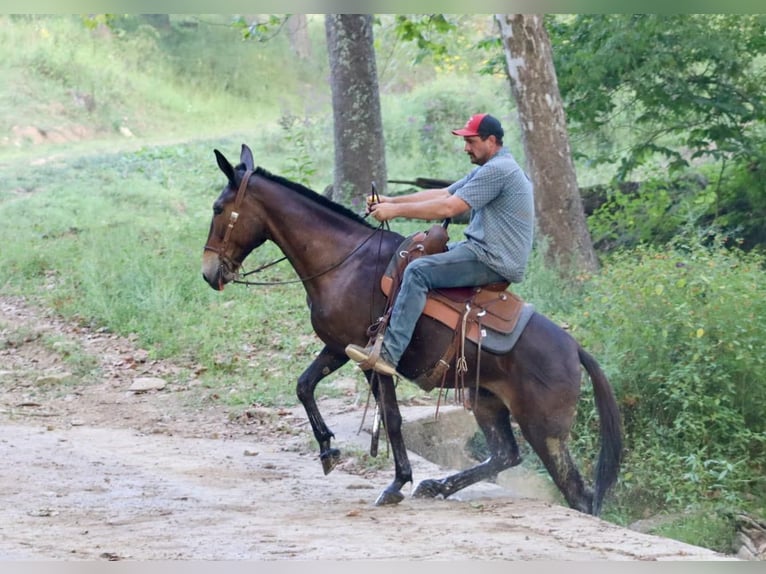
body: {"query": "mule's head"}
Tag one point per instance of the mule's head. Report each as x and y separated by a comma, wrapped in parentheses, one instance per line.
(236, 228)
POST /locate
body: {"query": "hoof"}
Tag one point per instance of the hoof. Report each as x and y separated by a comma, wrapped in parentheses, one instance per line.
(389, 497)
(428, 489)
(330, 459)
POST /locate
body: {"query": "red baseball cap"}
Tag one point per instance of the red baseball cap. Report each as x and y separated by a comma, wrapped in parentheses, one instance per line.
(481, 125)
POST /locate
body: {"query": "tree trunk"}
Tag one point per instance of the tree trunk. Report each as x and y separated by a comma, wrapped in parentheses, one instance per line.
(297, 32)
(532, 76)
(358, 127)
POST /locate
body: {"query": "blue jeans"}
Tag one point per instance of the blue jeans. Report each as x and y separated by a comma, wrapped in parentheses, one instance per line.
(458, 267)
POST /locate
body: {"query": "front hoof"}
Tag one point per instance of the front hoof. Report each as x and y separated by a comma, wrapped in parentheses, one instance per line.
(330, 459)
(428, 489)
(388, 497)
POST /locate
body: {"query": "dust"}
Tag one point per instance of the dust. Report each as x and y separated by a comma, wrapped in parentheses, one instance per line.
(93, 470)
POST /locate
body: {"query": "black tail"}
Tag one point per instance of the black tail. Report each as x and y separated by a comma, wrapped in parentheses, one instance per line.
(611, 431)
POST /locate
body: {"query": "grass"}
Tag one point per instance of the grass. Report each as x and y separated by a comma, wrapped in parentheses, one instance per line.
(707, 525)
(116, 240)
(75, 358)
(108, 229)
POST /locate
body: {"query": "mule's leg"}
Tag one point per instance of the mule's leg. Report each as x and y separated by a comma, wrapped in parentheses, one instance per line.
(545, 413)
(385, 393)
(549, 441)
(494, 420)
(326, 362)
(543, 391)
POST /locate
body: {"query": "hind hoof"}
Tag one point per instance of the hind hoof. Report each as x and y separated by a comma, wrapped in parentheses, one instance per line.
(428, 489)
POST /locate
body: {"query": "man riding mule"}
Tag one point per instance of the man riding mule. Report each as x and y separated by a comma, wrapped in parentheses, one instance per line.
(497, 241)
(337, 255)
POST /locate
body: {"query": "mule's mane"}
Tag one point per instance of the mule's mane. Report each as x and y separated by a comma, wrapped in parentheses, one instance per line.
(309, 194)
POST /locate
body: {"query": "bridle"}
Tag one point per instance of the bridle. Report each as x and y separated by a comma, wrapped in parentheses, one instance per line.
(228, 262)
(233, 217)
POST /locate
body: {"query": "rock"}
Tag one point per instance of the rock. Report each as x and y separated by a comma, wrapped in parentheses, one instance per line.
(53, 378)
(750, 540)
(144, 384)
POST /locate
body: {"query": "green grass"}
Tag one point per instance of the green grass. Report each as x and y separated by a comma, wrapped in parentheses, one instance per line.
(708, 526)
(75, 358)
(115, 241)
(108, 230)
(73, 86)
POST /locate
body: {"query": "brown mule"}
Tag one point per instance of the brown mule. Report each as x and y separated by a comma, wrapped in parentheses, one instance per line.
(340, 259)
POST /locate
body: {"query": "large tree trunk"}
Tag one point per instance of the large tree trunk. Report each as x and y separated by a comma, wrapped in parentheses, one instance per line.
(358, 127)
(535, 88)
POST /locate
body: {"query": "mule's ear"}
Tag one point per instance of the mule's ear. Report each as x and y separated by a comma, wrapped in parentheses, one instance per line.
(246, 157)
(226, 167)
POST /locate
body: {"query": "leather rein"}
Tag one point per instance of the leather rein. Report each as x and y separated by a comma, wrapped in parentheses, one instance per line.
(234, 217)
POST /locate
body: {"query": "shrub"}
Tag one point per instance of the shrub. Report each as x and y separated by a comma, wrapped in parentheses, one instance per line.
(679, 332)
(740, 200)
(653, 213)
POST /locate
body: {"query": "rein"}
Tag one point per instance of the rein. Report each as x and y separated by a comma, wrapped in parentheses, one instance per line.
(303, 279)
(234, 217)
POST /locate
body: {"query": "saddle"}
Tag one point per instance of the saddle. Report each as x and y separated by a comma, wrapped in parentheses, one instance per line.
(491, 306)
(488, 306)
(469, 311)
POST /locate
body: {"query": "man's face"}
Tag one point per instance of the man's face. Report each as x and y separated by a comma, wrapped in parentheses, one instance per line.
(479, 150)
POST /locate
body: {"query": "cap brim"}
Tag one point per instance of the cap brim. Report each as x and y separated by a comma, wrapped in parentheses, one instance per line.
(464, 133)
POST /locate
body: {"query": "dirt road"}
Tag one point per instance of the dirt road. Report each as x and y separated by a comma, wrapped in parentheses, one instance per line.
(102, 472)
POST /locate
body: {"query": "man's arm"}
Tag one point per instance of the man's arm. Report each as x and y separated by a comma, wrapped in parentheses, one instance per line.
(418, 196)
(427, 205)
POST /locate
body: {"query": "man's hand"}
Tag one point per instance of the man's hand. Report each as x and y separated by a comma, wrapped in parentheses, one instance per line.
(382, 211)
(375, 199)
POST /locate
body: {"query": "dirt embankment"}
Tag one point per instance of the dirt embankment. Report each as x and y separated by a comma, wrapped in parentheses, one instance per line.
(99, 471)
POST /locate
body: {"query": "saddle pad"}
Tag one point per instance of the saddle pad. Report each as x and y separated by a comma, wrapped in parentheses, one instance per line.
(498, 311)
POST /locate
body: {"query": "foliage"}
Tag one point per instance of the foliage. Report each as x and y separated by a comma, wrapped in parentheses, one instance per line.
(654, 213)
(427, 31)
(729, 195)
(419, 47)
(678, 330)
(693, 77)
(131, 79)
(300, 167)
(708, 525)
(418, 126)
(260, 30)
(114, 238)
(739, 191)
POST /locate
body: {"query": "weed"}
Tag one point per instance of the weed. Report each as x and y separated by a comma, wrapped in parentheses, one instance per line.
(108, 229)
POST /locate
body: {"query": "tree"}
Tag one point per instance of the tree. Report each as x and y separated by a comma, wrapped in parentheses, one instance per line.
(684, 86)
(297, 32)
(560, 215)
(358, 126)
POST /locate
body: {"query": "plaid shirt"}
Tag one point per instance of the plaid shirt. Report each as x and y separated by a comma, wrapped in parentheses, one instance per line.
(502, 222)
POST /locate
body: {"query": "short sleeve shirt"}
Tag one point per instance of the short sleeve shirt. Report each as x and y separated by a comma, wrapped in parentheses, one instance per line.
(501, 227)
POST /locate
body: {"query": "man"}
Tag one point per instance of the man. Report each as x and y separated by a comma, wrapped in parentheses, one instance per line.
(498, 238)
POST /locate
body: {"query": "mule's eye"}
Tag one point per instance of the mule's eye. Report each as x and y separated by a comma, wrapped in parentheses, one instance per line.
(217, 209)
